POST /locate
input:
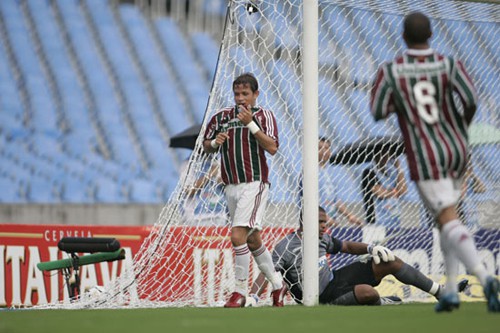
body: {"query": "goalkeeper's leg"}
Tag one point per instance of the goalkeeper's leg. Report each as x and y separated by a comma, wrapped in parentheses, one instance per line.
(409, 275)
(406, 274)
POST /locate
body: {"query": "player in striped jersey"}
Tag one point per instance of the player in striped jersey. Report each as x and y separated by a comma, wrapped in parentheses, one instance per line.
(243, 134)
(419, 87)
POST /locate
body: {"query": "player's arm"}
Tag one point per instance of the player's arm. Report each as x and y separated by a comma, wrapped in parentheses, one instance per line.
(379, 253)
(356, 248)
(212, 145)
(463, 85)
(381, 100)
(382, 192)
(469, 113)
(265, 141)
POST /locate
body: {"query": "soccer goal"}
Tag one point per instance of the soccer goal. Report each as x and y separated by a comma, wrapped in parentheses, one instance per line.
(187, 260)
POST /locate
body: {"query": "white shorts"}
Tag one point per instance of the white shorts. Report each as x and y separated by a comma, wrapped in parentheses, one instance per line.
(247, 203)
(439, 194)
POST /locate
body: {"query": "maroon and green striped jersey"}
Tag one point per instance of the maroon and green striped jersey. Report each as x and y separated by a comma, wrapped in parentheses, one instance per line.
(243, 160)
(422, 88)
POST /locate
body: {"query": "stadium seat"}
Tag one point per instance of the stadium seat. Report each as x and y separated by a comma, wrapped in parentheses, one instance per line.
(74, 190)
(207, 52)
(102, 104)
(184, 64)
(10, 191)
(108, 191)
(41, 191)
(143, 191)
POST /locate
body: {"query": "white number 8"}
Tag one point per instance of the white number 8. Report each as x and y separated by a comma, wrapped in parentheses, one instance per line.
(423, 100)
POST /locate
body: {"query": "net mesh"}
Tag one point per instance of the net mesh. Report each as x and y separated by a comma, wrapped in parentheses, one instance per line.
(187, 260)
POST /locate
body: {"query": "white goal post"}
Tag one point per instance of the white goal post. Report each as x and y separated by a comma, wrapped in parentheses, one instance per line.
(310, 152)
(187, 260)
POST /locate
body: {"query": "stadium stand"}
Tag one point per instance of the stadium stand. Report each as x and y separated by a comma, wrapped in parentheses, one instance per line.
(91, 92)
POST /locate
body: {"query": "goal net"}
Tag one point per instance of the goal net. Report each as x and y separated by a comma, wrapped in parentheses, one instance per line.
(187, 260)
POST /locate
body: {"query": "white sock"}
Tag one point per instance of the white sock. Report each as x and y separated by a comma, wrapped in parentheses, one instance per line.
(462, 244)
(450, 265)
(265, 262)
(241, 263)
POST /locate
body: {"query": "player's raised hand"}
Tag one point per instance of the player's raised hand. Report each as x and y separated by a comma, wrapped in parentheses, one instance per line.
(245, 114)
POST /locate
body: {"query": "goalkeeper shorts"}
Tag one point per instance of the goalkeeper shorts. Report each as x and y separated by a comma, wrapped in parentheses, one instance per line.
(346, 278)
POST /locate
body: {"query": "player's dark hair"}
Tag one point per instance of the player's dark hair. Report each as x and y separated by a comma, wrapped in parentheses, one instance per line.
(416, 28)
(247, 79)
(324, 139)
(320, 209)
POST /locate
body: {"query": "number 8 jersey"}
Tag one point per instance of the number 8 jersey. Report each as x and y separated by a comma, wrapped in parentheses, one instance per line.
(422, 87)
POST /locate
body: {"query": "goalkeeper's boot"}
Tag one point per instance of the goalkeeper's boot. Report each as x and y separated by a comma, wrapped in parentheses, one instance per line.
(278, 296)
(462, 285)
(236, 300)
(390, 300)
(491, 291)
(448, 303)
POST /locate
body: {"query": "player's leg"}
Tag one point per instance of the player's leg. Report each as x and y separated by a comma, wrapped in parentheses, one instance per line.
(406, 274)
(441, 196)
(256, 197)
(361, 294)
(264, 260)
(409, 275)
(239, 234)
(449, 301)
(457, 239)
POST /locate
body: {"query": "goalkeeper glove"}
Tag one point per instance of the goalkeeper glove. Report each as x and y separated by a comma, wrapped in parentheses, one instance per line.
(379, 252)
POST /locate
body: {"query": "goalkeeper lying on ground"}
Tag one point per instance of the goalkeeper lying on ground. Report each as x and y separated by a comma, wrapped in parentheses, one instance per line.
(350, 285)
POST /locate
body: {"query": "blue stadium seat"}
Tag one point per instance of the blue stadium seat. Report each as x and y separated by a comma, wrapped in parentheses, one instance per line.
(43, 107)
(348, 186)
(10, 192)
(184, 63)
(10, 101)
(108, 191)
(75, 190)
(374, 34)
(151, 59)
(41, 191)
(215, 7)
(79, 144)
(143, 191)
(45, 145)
(12, 167)
(207, 52)
(334, 113)
(361, 109)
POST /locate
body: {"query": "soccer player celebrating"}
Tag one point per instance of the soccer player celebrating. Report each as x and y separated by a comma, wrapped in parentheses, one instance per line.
(419, 87)
(243, 133)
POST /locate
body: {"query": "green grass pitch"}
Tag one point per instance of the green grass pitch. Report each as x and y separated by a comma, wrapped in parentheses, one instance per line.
(407, 318)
